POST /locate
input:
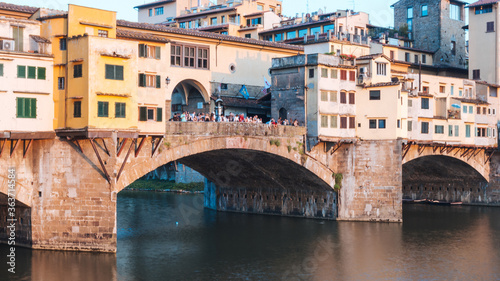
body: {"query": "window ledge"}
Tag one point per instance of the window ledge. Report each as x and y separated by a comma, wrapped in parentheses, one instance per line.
(29, 92)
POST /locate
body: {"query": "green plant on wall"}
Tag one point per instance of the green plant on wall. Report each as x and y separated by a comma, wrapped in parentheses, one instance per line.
(338, 181)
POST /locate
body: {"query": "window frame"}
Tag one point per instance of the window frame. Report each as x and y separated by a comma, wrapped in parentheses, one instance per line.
(175, 56)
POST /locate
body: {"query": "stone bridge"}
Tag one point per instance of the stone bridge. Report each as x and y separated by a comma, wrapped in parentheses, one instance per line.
(66, 188)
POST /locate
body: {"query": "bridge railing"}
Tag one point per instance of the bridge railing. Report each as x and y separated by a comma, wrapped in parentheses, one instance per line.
(231, 129)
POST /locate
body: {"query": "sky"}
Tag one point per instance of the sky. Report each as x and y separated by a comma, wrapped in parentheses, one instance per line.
(381, 14)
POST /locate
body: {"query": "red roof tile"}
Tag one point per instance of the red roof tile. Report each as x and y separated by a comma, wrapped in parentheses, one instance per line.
(17, 8)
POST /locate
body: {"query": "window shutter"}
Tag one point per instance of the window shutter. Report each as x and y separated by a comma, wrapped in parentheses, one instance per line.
(142, 52)
(31, 72)
(143, 113)
(33, 108)
(158, 81)
(20, 103)
(99, 108)
(106, 108)
(119, 72)
(109, 71)
(21, 71)
(41, 73)
(158, 53)
(159, 114)
(142, 80)
(1, 69)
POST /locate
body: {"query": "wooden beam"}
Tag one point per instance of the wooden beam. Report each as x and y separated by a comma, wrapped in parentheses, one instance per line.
(121, 145)
(125, 160)
(2, 146)
(26, 148)
(336, 147)
(138, 149)
(489, 157)
(105, 147)
(421, 148)
(405, 150)
(154, 147)
(13, 145)
(100, 160)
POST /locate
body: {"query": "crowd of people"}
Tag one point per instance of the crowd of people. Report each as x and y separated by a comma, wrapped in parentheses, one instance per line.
(202, 117)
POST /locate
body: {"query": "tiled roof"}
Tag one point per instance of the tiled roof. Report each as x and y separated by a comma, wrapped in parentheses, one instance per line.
(256, 14)
(372, 56)
(488, 84)
(239, 102)
(122, 33)
(475, 101)
(382, 84)
(207, 12)
(40, 39)
(482, 2)
(17, 8)
(175, 30)
(406, 48)
(294, 26)
(154, 3)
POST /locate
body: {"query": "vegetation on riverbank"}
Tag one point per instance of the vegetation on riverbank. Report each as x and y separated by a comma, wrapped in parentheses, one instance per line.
(162, 185)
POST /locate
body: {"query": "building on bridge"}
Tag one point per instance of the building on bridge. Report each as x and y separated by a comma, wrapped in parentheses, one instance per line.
(25, 80)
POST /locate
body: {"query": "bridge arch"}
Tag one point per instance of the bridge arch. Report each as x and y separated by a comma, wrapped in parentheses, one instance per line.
(475, 158)
(239, 161)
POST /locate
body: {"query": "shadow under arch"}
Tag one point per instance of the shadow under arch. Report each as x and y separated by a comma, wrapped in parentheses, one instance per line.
(441, 177)
(187, 93)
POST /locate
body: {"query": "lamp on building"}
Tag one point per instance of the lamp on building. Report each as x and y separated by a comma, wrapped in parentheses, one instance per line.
(167, 80)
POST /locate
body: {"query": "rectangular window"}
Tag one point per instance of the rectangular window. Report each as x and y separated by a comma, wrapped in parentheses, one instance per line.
(189, 56)
(439, 129)
(143, 113)
(311, 73)
(159, 114)
(26, 108)
(61, 83)
(41, 73)
(302, 32)
(425, 89)
(424, 59)
(409, 22)
(159, 11)
(120, 109)
(324, 96)
(213, 21)
(416, 58)
(248, 35)
(21, 71)
(62, 44)
(452, 89)
(1, 69)
(450, 130)
(333, 121)
(102, 33)
(391, 55)
(351, 98)
(467, 131)
(410, 124)
(334, 74)
(77, 109)
(442, 89)
(425, 103)
(459, 93)
(471, 110)
(455, 12)
(456, 131)
(278, 37)
(343, 122)
(175, 57)
(352, 122)
(465, 109)
(484, 110)
(409, 13)
(102, 108)
(150, 12)
(18, 35)
(483, 9)
(372, 123)
(381, 123)
(490, 27)
(424, 129)
(375, 95)
(476, 74)
(410, 103)
(424, 11)
(291, 35)
(316, 29)
(324, 121)
(352, 75)
(407, 57)
(399, 123)
(324, 72)
(343, 98)
(151, 114)
(31, 72)
(381, 69)
(333, 96)
(114, 72)
(343, 74)
(77, 70)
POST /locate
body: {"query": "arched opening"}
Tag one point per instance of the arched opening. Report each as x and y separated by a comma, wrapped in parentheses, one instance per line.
(283, 114)
(189, 95)
(442, 178)
(15, 213)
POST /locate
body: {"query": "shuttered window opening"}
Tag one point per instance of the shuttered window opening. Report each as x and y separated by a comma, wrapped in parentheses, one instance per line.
(150, 113)
(26, 107)
(120, 108)
(102, 109)
(77, 109)
(150, 81)
(147, 51)
(114, 72)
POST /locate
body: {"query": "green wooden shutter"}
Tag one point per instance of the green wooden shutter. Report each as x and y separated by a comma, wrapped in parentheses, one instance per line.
(158, 53)
(142, 80)
(1, 69)
(31, 72)
(159, 114)
(21, 71)
(99, 108)
(142, 52)
(109, 71)
(119, 72)
(20, 103)
(32, 108)
(106, 109)
(41, 73)
(143, 113)
(158, 81)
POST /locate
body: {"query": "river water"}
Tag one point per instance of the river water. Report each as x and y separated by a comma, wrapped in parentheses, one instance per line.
(165, 236)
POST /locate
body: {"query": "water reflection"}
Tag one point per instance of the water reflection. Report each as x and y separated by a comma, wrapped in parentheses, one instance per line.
(171, 237)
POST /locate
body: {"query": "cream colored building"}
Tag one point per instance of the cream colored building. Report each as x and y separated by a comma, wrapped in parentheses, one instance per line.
(398, 52)
(166, 11)
(25, 78)
(484, 41)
